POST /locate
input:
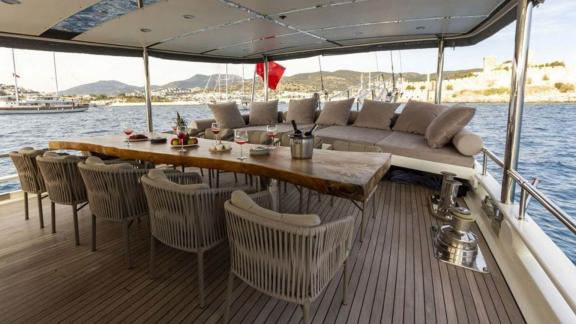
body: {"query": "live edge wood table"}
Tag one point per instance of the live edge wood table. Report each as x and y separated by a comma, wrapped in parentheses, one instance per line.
(350, 175)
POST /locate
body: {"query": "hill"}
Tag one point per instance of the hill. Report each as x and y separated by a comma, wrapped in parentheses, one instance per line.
(108, 88)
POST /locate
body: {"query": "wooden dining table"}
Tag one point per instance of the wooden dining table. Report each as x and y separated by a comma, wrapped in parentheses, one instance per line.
(350, 175)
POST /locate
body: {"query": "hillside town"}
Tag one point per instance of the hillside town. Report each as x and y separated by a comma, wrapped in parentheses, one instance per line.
(546, 82)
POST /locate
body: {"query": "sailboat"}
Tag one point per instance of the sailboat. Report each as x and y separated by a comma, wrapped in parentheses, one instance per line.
(10, 105)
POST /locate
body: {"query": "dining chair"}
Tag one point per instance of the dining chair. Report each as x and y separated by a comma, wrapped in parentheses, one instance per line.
(185, 217)
(31, 180)
(64, 185)
(286, 256)
(115, 194)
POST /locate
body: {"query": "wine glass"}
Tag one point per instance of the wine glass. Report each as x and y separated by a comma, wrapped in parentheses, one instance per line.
(127, 130)
(216, 130)
(271, 131)
(174, 126)
(182, 133)
(241, 138)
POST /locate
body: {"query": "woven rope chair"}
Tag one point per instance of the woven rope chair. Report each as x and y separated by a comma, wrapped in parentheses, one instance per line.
(289, 262)
(188, 219)
(31, 180)
(115, 194)
(64, 185)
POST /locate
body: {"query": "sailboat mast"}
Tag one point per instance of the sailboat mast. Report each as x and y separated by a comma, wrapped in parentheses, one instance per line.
(393, 77)
(15, 78)
(226, 82)
(55, 74)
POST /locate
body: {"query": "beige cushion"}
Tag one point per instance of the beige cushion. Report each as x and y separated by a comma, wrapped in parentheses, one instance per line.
(414, 146)
(352, 134)
(335, 112)
(157, 174)
(227, 115)
(416, 117)
(447, 124)
(56, 156)
(162, 181)
(263, 113)
(241, 200)
(468, 143)
(302, 110)
(94, 160)
(31, 151)
(376, 114)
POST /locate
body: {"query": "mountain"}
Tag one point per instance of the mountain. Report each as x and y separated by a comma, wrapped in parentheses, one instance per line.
(201, 81)
(108, 88)
(333, 81)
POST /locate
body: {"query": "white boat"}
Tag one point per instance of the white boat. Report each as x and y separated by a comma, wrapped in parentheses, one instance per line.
(39, 105)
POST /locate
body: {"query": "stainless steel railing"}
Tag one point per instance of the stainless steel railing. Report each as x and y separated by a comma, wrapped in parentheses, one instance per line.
(527, 190)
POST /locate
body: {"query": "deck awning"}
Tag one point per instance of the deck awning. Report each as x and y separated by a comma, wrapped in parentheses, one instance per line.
(244, 31)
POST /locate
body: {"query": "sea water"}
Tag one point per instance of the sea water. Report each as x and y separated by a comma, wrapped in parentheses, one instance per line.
(547, 151)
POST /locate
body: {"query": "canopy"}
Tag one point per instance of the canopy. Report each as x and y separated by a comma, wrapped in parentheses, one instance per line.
(244, 31)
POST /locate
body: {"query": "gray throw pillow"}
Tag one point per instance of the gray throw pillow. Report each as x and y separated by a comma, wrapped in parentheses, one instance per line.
(376, 114)
(468, 143)
(416, 117)
(302, 111)
(443, 128)
(335, 112)
(227, 115)
(263, 113)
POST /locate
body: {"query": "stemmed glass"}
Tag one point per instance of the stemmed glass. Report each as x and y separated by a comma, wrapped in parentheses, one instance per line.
(174, 126)
(216, 130)
(271, 131)
(182, 132)
(127, 130)
(241, 138)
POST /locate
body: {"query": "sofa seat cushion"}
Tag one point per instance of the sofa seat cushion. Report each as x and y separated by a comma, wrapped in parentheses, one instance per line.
(352, 134)
(415, 146)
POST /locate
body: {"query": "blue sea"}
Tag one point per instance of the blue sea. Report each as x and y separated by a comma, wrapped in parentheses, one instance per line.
(548, 146)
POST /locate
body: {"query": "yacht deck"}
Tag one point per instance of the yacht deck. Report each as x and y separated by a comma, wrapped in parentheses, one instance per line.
(393, 276)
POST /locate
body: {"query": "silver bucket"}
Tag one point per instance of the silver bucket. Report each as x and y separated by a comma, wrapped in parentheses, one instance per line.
(301, 147)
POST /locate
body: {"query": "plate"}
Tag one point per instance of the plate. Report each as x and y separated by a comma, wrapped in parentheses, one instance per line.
(184, 146)
(211, 150)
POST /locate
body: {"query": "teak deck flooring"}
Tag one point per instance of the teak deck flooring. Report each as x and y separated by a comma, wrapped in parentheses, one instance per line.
(394, 277)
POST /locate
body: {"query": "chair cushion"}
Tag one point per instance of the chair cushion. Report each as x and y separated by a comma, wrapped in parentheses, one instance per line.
(414, 146)
(302, 110)
(158, 176)
(468, 143)
(443, 128)
(227, 115)
(241, 200)
(57, 156)
(91, 160)
(263, 113)
(376, 114)
(31, 151)
(335, 112)
(416, 117)
(352, 134)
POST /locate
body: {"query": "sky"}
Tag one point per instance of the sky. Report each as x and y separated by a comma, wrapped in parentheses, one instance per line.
(552, 39)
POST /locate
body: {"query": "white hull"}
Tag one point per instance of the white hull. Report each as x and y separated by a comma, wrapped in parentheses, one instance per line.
(21, 111)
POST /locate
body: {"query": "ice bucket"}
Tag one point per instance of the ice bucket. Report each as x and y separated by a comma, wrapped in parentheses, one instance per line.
(301, 147)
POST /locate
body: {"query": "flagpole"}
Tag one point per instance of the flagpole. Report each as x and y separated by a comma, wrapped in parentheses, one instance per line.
(253, 85)
(265, 78)
(15, 78)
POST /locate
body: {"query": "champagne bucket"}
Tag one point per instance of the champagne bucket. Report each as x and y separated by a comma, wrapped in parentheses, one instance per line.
(301, 147)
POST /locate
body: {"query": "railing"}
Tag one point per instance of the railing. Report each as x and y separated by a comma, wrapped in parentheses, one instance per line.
(528, 189)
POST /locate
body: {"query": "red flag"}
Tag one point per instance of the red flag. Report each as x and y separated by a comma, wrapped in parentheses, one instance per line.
(275, 72)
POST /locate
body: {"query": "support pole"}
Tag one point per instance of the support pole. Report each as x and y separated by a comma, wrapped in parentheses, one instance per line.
(439, 72)
(253, 85)
(265, 78)
(147, 90)
(516, 107)
(55, 74)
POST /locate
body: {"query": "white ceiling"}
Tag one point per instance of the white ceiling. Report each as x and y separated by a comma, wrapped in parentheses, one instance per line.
(253, 28)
